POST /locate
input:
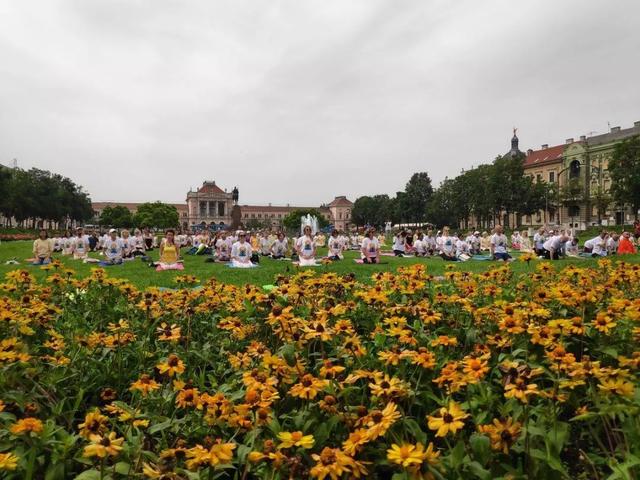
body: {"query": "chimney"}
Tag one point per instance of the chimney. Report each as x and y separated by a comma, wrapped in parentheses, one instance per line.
(545, 146)
(615, 129)
(583, 138)
(529, 152)
(569, 140)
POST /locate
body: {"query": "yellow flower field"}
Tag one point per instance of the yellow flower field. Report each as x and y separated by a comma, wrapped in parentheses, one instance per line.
(490, 375)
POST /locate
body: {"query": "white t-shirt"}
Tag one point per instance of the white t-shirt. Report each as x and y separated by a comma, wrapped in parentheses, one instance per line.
(612, 245)
(538, 241)
(335, 246)
(306, 246)
(419, 246)
(398, 243)
(113, 248)
(224, 245)
(279, 247)
(447, 245)
(241, 251)
(370, 246)
(499, 243)
(554, 243)
(80, 245)
(462, 247)
(598, 245)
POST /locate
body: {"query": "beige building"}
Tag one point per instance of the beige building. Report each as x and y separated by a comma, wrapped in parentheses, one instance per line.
(209, 205)
(340, 210)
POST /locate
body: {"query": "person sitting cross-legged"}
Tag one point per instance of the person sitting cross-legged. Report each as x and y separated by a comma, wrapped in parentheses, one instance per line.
(370, 249)
(169, 253)
(42, 249)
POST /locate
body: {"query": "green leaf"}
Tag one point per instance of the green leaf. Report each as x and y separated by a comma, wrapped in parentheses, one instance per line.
(123, 468)
(479, 471)
(457, 455)
(92, 474)
(415, 430)
(481, 447)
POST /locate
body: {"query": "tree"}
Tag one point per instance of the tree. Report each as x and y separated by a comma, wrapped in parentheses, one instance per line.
(118, 216)
(624, 170)
(412, 204)
(257, 224)
(156, 215)
(375, 210)
(292, 221)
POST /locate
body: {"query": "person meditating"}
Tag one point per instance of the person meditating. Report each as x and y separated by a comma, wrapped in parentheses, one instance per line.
(169, 253)
(335, 246)
(223, 248)
(42, 249)
(241, 252)
(113, 249)
(279, 247)
(306, 248)
(370, 250)
(80, 245)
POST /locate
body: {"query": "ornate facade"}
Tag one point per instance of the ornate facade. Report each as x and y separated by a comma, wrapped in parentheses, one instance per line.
(209, 205)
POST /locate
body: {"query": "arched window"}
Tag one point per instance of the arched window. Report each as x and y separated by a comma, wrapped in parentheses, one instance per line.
(574, 169)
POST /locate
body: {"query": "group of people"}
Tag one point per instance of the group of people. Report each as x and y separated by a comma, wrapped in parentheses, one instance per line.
(242, 249)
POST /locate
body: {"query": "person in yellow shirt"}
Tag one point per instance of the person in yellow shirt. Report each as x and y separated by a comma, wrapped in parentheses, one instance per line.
(169, 253)
(42, 249)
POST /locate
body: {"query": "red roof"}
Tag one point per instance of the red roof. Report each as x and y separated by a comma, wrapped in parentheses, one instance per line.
(341, 201)
(544, 156)
(210, 187)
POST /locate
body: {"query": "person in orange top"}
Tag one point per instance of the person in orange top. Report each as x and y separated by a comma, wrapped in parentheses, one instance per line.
(626, 245)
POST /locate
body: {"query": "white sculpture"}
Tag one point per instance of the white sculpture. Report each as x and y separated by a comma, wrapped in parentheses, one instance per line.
(311, 221)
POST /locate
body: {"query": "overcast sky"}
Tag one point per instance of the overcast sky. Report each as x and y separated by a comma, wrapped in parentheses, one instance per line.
(299, 101)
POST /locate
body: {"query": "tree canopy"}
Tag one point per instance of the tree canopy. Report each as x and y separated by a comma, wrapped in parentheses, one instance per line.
(156, 215)
(31, 195)
(117, 216)
(624, 170)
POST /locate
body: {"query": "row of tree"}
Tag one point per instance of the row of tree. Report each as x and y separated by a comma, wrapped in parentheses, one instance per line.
(151, 214)
(489, 192)
(36, 197)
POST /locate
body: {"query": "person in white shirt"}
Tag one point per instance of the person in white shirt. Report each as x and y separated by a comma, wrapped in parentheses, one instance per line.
(554, 246)
(241, 252)
(571, 247)
(597, 246)
(65, 243)
(473, 240)
(137, 243)
(525, 244)
(612, 244)
(265, 244)
(279, 247)
(538, 242)
(223, 247)
(462, 248)
(335, 247)
(370, 250)
(499, 245)
(420, 245)
(127, 244)
(399, 244)
(113, 248)
(516, 240)
(447, 246)
(306, 248)
(429, 243)
(80, 245)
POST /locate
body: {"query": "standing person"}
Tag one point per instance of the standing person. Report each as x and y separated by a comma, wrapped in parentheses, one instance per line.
(80, 245)
(42, 249)
(626, 245)
(169, 253)
(335, 247)
(447, 246)
(554, 246)
(499, 245)
(113, 248)
(400, 243)
(370, 249)
(241, 252)
(306, 248)
(279, 247)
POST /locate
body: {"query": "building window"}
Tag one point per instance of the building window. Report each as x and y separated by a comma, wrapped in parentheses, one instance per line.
(574, 169)
(552, 177)
(203, 209)
(538, 177)
(259, 215)
(539, 217)
(574, 211)
(253, 215)
(246, 215)
(221, 209)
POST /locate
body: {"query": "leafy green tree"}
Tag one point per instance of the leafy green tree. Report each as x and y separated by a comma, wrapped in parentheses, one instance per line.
(156, 215)
(117, 216)
(624, 170)
(292, 221)
(411, 205)
(375, 210)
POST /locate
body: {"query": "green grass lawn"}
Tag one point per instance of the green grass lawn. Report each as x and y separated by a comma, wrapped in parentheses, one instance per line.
(140, 274)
